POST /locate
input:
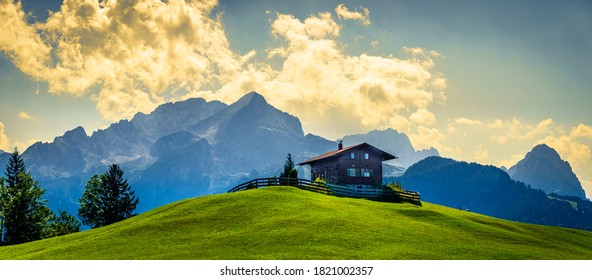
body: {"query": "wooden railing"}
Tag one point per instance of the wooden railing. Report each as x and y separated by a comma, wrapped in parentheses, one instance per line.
(295, 182)
(380, 194)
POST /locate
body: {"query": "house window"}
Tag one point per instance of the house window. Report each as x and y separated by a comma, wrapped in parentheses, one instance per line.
(352, 155)
(352, 172)
(366, 156)
(367, 172)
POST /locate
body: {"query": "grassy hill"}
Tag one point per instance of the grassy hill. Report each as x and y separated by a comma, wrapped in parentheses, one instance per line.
(287, 223)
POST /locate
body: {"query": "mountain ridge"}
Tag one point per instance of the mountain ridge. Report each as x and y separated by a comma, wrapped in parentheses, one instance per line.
(490, 191)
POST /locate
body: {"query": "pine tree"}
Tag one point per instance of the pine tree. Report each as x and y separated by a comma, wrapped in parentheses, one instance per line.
(16, 165)
(23, 212)
(289, 169)
(289, 172)
(107, 199)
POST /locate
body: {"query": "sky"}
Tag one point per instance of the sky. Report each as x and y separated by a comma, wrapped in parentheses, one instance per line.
(481, 81)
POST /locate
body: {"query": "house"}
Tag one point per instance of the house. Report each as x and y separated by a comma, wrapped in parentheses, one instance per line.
(359, 165)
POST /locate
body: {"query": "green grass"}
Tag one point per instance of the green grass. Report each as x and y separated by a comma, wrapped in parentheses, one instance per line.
(287, 223)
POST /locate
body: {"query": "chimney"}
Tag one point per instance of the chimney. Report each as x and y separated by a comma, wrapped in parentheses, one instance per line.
(340, 145)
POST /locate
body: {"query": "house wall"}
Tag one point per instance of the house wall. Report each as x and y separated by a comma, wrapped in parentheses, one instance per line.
(335, 169)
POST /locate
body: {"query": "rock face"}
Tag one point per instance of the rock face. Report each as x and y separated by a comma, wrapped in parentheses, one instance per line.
(543, 169)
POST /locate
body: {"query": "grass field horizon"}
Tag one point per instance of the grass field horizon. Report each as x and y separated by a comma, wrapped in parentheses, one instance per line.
(288, 223)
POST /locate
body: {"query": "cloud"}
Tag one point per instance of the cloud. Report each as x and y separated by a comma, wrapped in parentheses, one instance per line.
(21, 42)
(334, 93)
(423, 117)
(466, 121)
(516, 130)
(4, 141)
(482, 154)
(582, 131)
(515, 158)
(131, 56)
(375, 44)
(138, 54)
(25, 116)
(23, 146)
(344, 13)
(574, 147)
(425, 137)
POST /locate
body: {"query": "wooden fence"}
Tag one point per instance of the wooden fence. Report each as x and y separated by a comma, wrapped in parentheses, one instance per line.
(380, 194)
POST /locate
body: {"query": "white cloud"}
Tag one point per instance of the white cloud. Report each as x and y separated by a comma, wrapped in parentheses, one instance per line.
(375, 44)
(516, 130)
(423, 117)
(426, 137)
(4, 141)
(482, 154)
(334, 93)
(137, 53)
(23, 146)
(21, 42)
(466, 121)
(25, 116)
(582, 131)
(344, 13)
(578, 154)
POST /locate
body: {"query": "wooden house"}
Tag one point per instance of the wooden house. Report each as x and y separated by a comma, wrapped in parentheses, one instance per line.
(359, 165)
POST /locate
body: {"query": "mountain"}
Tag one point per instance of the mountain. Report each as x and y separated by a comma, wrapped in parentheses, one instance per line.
(543, 169)
(180, 150)
(189, 148)
(288, 223)
(393, 142)
(490, 191)
(3, 158)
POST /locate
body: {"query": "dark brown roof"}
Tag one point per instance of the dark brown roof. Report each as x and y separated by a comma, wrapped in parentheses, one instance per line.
(383, 154)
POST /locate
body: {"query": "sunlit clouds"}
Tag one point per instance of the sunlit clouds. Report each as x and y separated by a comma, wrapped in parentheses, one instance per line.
(344, 13)
(25, 116)
(136, 54)
(130, 56)
(4, 141)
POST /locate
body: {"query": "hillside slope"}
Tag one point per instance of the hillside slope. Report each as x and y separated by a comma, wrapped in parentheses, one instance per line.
(287, 223)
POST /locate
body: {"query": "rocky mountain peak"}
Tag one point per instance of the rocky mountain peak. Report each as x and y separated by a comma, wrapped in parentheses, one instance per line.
(542, 168)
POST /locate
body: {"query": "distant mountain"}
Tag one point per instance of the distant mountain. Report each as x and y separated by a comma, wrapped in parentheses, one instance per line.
(543, 169)
(489, 190)
(394, 143)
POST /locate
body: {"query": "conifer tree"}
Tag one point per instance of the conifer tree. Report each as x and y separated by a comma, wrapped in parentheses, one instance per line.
(107, 199)
(289, 169)
(16, 165)
(24, 212)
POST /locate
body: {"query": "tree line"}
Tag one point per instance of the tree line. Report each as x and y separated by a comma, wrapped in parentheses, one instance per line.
(25, 217)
